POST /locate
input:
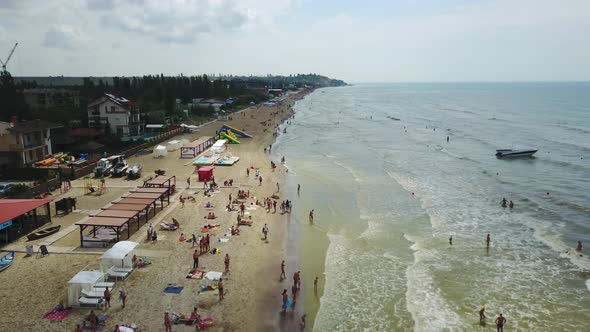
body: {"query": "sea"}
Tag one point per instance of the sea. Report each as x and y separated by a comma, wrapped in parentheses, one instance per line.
(388, 191)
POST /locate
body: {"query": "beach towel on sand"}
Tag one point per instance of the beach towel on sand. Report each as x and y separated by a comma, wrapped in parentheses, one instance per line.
(173, 289)
(58, 315)
(213, 275)
(195, 274)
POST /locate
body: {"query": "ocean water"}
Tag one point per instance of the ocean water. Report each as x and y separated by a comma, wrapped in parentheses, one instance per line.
(388, 195)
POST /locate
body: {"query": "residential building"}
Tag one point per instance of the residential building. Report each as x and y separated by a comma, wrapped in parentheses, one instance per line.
(30, 141)
(47, 98)
(119, 115)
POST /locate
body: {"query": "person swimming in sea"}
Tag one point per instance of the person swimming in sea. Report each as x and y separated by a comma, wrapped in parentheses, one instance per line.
(451, 240)
(482, 314)
(511, 204)
(579, 248)
(504, 202)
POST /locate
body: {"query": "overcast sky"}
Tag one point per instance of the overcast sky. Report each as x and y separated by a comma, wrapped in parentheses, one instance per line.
(357, 41)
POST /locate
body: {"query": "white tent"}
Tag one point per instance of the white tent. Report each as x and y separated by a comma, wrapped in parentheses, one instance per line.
(119, 255)
(219, 146)
(160, 151)
(82, 280)
(174, 145)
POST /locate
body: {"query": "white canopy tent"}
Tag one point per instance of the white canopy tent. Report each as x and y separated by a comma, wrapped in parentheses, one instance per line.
(174, 145)
(160, 151)
(82, 280)
(119, 255)
(219, 146)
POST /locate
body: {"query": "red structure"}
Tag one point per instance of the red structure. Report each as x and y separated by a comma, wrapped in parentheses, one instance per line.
(205, 173)
(21, 216)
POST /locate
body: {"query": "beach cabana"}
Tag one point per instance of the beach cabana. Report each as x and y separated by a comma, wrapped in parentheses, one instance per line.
(161, 181)
(219, 146)
(83, 280)
(205, 173)
(192, 149)
(21, 216)
(120, 255)
(160, 151)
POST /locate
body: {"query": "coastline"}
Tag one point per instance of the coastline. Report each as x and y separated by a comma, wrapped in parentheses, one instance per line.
(252, 283)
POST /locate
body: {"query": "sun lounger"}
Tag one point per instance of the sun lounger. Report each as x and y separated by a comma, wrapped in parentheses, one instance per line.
(246, 223)
(92, 294)
(122, 269)
(116, 275)
(110, 285)
(90, 302)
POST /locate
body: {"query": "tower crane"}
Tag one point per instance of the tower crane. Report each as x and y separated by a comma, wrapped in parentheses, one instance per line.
(4, 63)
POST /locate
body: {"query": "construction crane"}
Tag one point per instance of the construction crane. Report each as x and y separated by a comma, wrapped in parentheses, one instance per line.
(4, 63)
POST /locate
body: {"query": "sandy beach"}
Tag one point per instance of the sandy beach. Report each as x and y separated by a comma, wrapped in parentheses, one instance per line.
(252, 301)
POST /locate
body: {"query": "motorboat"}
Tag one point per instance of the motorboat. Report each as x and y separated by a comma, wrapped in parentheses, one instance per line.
(120, 168)
(134, 172)
(509, 153)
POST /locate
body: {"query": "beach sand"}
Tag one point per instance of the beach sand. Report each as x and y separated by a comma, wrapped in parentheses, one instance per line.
(252, 302)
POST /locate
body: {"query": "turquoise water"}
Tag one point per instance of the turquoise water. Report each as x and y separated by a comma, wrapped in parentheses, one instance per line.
(382, 254)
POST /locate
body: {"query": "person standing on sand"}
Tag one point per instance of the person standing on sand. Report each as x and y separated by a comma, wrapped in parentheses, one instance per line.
(107, 297)
(283, 275)
(167, 322)
(315, 284)
(500, 321)
(150, 230)
(122, 297)
(220, 288)
(226, 262)
(311, 216)
(274, 205)
(194, 239)
(260, 180)
(247, 172)
(188, 182)
(294, 294)
(265, 231)
(195, 259)
(278, 188)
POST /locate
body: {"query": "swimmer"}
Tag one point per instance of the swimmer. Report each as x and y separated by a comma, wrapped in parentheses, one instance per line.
(511, 204)
(488, 239)
(500, 321)
(482, 314)
(504, 202)
(451, 240)
(579, 248)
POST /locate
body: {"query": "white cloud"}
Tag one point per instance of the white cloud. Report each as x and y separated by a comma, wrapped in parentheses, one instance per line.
(65, 37)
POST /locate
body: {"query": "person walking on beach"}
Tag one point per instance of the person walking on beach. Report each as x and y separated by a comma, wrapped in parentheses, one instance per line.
(285, 296)
(500, 321)
(283, 275)
(278, 188)
(294, 293)
(265, 231)
(274, 205)
(315, 284)
(226, 262)
(188, 182)
(247, 172)
(311, 216)
(488, 239)
(122, 297)
(260, 180)
(195, 259)
(167, 322)
(194, 239)
(220, 288)
(107, 298)
(298, 189)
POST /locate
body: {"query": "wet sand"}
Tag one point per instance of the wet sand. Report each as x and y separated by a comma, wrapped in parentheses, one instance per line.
(252, 302)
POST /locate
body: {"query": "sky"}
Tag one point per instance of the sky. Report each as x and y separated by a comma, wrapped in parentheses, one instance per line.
(357, 41)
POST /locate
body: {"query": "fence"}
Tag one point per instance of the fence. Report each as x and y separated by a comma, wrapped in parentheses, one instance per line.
(76, 173)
